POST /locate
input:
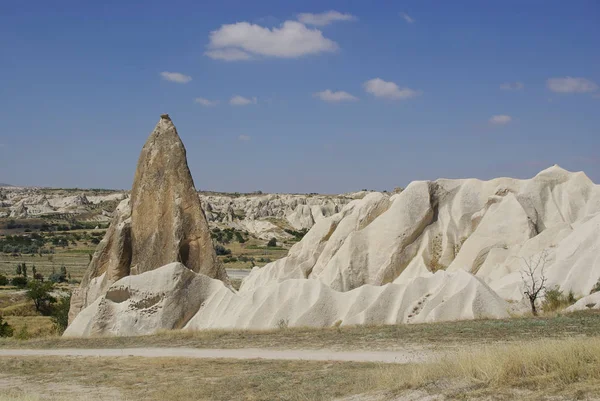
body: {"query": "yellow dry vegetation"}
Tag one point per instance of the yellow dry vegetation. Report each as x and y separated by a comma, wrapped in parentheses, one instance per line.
(561, 369)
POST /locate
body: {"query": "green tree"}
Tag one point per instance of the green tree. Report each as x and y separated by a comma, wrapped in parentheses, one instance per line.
(3, 280)
(272, 242)
(60, 313)
(39, 293)
(24, 269)
(19, 281)
(33, 270)
(19, 270)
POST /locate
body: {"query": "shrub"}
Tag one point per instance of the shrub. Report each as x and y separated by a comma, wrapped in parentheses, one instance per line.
(57, 278)
(6, 329)
(596, 288)
(239, 238)
(283, 324)
(19, 281)
(221, 250)
(555, 300)
(3, 280)
(60, 314)
(39, 293)
(272, 242)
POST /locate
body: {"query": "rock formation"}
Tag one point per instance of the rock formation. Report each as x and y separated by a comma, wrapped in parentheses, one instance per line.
(161, 223)
(482, 227)
(152, 301)
(439, 250)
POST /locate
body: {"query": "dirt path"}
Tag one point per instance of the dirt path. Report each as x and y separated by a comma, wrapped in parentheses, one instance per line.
(404, 356)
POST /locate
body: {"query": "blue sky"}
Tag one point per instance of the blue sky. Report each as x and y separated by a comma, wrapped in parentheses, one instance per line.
(311, 96)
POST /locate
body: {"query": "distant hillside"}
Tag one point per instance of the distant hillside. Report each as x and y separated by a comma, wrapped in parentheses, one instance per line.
(5, 185)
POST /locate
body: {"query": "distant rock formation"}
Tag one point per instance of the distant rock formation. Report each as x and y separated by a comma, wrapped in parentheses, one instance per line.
(162, 222)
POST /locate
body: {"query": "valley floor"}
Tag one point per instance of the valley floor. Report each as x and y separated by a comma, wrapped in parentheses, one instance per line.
(545, 358)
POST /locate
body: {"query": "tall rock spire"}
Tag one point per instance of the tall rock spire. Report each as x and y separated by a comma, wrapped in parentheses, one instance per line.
(162, 222)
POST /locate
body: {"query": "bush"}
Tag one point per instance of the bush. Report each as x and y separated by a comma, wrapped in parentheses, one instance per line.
(39, 293)
(6, 329)
(19, 281)
(596, 288)
(221, 250)
(60, 314)
(3, 280)
(272, 242)
(555, 300)
(57, 278)
(239, 238)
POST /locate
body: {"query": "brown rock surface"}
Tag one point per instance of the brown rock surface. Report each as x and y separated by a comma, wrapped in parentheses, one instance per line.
(162, 222)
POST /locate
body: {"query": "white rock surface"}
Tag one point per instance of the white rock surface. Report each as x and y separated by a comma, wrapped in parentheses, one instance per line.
(483, 227)
(591, 301)
(164, 298)
(151, 301)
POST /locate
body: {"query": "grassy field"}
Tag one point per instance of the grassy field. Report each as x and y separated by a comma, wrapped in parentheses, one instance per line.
(561, 369)
(253, 248)
(75, 258)
(435, 335)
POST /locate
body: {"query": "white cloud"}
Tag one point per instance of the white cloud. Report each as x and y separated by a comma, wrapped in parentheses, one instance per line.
(512, 86)
(244, 138)
(500, 119)
(389, 90)
(243, 40)
(206, 102)
(238, 100)
(407, 18)
(325, 18)
(339, 96)
(228, 54)
(571, 85)
(176, 77)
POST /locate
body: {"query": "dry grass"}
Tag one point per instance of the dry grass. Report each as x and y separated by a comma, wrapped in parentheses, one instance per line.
(566, 369)
(533, 365)
(31, 326)
(442, 335)
(192, 379)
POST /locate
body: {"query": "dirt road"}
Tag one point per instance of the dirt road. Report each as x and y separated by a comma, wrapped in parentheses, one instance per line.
(404, 356)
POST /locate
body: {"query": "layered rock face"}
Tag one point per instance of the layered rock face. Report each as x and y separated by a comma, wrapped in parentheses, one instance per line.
(162, 222)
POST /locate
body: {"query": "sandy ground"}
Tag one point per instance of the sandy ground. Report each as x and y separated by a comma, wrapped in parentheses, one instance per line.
(403, 356)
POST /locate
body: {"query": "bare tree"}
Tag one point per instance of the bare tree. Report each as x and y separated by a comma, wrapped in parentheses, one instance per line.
(534, 278)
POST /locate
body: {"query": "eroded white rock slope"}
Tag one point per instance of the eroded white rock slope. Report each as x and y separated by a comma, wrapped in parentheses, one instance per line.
(441, 250)
(174, 297)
